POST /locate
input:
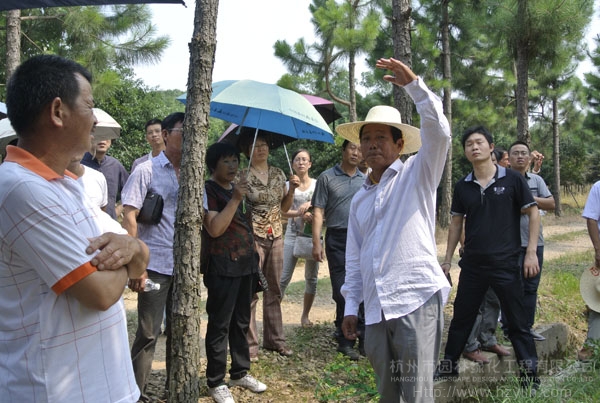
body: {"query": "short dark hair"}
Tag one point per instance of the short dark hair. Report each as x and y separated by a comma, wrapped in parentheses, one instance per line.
(301, 150)
(345, 143)
(170, 121)
(498, 151)
(246, 139)
(36, 83)
(477, 129)
(517, 143)
(217, 151)
(153, 122)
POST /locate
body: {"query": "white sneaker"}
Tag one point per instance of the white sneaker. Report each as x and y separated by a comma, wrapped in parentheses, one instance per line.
(221, 394)
(250, 383)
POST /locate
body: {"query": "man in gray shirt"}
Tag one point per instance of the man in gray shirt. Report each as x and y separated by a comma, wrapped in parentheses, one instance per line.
(519, 156)
(331, 202)
(157, 175)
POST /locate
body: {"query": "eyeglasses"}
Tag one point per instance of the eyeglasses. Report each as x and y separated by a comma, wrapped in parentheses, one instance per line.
(177, 129)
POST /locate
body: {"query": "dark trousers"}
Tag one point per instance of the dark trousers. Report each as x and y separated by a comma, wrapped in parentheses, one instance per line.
(335, 249)
(151, 308)
(228, 308)
(508, 285)
(530, 287)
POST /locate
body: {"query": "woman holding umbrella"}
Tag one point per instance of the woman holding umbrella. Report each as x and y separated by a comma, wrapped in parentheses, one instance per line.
(267, 198)
(299, 217)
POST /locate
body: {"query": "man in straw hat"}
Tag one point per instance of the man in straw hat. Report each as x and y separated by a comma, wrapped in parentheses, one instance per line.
(391, 259)
(590, 279)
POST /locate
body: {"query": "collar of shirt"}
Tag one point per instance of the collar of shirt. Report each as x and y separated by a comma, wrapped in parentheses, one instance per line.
(337, 169)
(32, 163)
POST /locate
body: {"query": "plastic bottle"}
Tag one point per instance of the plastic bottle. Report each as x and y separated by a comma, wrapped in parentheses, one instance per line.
(308, 225)
(151, 285)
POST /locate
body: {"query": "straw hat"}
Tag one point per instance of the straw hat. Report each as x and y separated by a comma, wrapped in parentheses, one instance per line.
(589, 286)
(386, 115)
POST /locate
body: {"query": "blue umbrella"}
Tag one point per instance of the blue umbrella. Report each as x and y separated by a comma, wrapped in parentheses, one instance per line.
(268, 107)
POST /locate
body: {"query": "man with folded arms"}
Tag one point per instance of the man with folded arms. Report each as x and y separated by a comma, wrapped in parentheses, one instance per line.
(63, 329)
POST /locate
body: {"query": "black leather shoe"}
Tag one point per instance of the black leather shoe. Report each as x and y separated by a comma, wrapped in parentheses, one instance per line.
(536, 335)
(349, 352)
(445, 371)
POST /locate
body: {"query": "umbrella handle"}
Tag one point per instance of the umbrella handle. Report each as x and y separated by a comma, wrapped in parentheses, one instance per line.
(288, 158)
(252, 153)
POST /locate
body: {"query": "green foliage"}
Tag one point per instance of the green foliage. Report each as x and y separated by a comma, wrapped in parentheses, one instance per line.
(131, 103)
(103, 39)
(344, 380)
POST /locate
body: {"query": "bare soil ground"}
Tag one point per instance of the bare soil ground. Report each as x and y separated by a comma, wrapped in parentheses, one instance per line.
(570, 234)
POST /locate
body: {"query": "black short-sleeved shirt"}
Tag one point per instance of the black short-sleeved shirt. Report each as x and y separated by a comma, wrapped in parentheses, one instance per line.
(231, 254)
(492, 217)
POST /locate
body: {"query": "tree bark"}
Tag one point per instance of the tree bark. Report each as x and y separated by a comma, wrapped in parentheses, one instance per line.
(522, 51)
(183, 375)
(556, 156)
(401, 16)
(352, 85)
(445, 199)
(13, 41)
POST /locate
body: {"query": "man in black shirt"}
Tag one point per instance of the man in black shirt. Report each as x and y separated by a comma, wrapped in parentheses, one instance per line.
(491, 200)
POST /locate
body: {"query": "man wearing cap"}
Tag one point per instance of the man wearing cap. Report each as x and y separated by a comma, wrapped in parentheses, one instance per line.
(590, 279)
(391, 258)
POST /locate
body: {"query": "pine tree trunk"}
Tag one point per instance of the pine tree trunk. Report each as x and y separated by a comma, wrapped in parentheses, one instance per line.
(13, 41)
(184, 353)
(445, 198)
(522, 77)
(352, 85)
(556, 157)
(401, 16)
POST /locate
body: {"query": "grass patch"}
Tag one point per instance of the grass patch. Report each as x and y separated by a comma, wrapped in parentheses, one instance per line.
(348, 381)
(296, 289)
(567, 236)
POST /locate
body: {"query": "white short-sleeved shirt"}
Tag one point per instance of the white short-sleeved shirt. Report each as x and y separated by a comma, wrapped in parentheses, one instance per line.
(592, 205)
(52, 348)
(94, 184)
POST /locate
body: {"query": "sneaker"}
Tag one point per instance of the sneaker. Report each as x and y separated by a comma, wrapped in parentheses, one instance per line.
(250, 383)
(221, 394)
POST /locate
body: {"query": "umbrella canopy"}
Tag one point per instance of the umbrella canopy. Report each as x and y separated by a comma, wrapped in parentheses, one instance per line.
(2, 110)
(23, 4)
(7, 134)
(106, 129)
(234, 136)
(325, 107)
(267, 107)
